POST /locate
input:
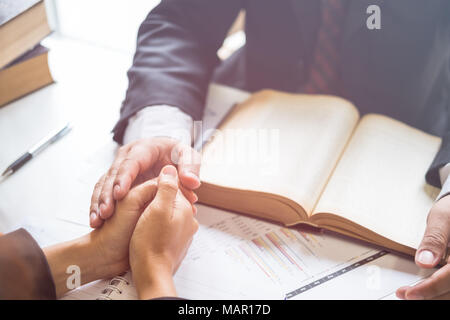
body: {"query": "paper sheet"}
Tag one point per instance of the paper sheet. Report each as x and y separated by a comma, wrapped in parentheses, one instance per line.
(238, 257)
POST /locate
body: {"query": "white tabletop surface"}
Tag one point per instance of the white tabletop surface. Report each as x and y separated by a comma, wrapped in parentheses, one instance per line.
(89, 88)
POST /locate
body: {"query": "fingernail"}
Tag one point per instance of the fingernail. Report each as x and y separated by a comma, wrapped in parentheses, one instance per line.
(414, 296)
(191, 174)
(195, 198)
(169, 171)
(92, 217)
(426, 257)
(102, 210)
(400, 295)
(116, 189)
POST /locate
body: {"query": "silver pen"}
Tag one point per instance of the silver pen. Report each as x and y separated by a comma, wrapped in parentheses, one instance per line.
(37, 148)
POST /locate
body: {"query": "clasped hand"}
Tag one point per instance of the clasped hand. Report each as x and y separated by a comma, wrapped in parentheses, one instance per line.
(149, 232)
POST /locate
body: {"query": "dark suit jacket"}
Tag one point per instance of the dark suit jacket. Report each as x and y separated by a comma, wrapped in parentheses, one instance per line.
(402, 70)
(24, 271)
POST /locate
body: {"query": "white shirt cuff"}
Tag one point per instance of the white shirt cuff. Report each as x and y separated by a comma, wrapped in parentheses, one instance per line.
(444, 174)
(159, 121)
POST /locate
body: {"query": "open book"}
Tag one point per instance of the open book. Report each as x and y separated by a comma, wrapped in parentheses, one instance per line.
(311, 159)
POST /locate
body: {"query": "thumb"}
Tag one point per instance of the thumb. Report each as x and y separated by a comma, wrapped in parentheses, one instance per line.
(167, 192)
(434, 244)
(188, 161)
(143, 193)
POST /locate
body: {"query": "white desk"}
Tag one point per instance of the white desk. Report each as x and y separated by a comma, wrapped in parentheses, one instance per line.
(90, 85)
(57, 185)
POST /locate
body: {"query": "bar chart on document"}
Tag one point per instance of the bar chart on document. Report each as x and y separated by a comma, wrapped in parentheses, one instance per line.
(238, 257)
(234, 256)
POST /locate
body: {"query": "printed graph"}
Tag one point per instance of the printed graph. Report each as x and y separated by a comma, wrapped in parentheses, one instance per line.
(278, 254)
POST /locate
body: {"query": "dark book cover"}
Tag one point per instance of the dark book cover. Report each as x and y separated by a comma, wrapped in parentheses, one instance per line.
(9, 9)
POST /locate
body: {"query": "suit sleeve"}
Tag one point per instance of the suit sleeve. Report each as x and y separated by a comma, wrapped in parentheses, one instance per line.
(175, 56)
(440, 160)
(25, 273)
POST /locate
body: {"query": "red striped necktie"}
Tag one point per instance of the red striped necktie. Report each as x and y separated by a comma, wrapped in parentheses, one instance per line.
(324, 72)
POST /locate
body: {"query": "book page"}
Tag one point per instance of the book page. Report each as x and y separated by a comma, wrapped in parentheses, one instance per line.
(380, 181)
(220, 101)
(279, 143)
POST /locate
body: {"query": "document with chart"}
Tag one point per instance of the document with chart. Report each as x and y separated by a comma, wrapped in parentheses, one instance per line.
(237, 257)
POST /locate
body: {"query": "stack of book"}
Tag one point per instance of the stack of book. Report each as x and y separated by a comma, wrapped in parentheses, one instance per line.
(23, 60)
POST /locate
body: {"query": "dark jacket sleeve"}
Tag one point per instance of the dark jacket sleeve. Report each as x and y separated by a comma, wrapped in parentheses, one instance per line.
(440, 160)
(24, 271)
(175, 56)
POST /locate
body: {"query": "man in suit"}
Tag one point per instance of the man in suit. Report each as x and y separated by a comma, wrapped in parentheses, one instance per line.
(401, 70)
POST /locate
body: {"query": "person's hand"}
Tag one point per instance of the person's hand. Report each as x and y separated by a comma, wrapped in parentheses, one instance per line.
(113, 238)
(161, 238)
(430, 252)
(139, 161)
(103, 253)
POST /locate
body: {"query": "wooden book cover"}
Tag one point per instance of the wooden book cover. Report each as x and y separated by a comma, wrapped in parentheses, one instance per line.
(25, 75)
(311, 159)
(23, 24)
